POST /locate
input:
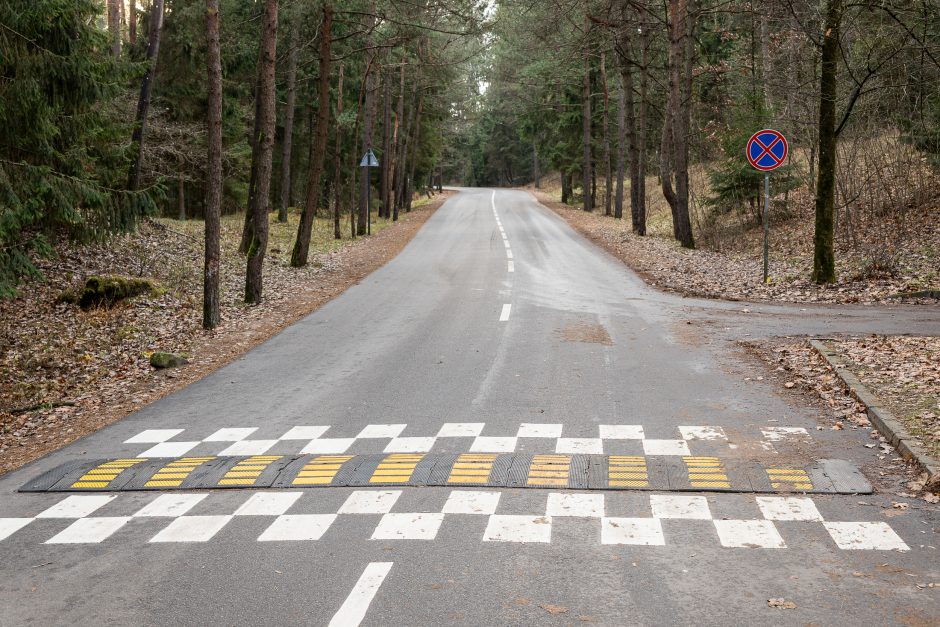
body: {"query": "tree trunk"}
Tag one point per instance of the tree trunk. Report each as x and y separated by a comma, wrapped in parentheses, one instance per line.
(146, 89)
(259, 202)
(626, 81)
(288, 123)
(536, 172)
(640, 146)
(586, 177)
(605, 132)
(302, 244)
(211, 315)
(405, 142)
(365, 185)
(253, 174)
(386, 164)
(132, 22)
(114, 26)
(181, 191)
(566, 193)
(337, 157)
(413, 161)
(396, 142)
(824, 262)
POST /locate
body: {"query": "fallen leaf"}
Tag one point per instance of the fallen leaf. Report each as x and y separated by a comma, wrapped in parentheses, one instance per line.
(553, 609)
(781, 604)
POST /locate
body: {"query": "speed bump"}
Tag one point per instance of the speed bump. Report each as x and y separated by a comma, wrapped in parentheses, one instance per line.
(506, 470)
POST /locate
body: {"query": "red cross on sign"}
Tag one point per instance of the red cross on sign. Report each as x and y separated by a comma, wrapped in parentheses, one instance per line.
(767, 150)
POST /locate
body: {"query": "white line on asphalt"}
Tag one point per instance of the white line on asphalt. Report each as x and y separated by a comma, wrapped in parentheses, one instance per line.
(508, 254)
(357, 603)
(512, 268)
(504, 316)
(506, 243)
(493, 201)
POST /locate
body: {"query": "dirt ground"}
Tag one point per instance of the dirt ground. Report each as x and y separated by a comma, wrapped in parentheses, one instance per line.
(68, 372)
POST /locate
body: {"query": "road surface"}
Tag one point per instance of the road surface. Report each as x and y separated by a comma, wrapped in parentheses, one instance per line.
(502, 426)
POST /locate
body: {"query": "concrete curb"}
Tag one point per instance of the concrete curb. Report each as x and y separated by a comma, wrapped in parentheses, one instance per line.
(889, 426)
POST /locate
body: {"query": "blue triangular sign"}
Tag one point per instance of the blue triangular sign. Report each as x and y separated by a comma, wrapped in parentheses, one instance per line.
(369, 160)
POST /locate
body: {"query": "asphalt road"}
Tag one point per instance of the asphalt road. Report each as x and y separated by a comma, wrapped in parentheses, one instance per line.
(498, 329)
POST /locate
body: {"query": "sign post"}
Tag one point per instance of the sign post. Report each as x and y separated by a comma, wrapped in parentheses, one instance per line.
(369, 161)
(766, 150)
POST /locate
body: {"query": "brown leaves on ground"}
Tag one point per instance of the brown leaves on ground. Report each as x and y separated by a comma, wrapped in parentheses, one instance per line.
(781, 603)
(733, 269)
(67, 373)
(553, 609)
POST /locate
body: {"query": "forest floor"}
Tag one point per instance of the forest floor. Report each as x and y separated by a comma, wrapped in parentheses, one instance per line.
(68, 372)
(873, 269)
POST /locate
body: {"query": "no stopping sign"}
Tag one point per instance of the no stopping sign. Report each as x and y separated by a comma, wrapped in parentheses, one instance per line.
(767, 150)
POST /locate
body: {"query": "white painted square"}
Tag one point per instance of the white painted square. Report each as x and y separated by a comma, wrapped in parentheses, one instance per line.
(471, 502)
(297, 527)
(304, 433)
(268, 504)
(749, 534)
(566, 504)
(77, 506)
(9, 526)
(408, 527)
(876, 536)
(580, 445)
(381, 431)
(169, 449)
(534, 430)
(153, 436)
(192, 529)
(89, 530)
(638, 531)
(778, 434)
(621, 432)
(486, 444)
(409, 445)
(702, 433)
(172, 505)
(665, 447)
(518, 529)
(328, 446)
(460, 429)
(507, 308)
(231, 434)
(370, 502)
(788, 508)
(677, 506)
(249, 447)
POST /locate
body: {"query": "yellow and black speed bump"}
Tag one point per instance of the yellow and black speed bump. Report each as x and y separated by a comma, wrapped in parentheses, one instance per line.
(498, 470)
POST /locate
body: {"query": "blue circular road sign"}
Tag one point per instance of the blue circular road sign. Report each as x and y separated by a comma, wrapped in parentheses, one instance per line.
(767, 150)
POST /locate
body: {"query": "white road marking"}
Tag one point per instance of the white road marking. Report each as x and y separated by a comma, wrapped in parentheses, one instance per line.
(512, 268)
(169, 449)
(471, 502)
(778, 434)
(505, 239)
(192, 529)
(328, 446)
(508, 254)
(518, 529)
(504, 314)
(788, 508)
(410, 445)
(231, 434)
(297, 527)
(89, 530)
(621, 432)
(536, 430)
(582, 505)
(865, 535)
(677, 506)
(153, 436)
(702, 433)
(493, 201)
(249, 447)
(77, 506)
(268, 504)
(640, 531)
(487, 444)
(381, 431)
(354, 608)
(370, 502)
(170, 505)
(760, 534)
(408, 527)
(460, 429)
(666, 447)
(580, 445)
(506, 243)
(304, 433)
(9, 526)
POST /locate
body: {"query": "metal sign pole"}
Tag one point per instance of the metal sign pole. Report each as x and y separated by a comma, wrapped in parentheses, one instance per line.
(369, 203)
(766, 221)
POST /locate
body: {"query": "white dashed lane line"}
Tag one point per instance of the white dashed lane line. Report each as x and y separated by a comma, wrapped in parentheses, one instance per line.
(511, 268)
(357, 603)
(504, 315)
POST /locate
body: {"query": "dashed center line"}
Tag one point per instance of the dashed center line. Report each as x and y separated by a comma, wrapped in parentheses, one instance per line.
(512, 268)
(357, 603)
(504, 314)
